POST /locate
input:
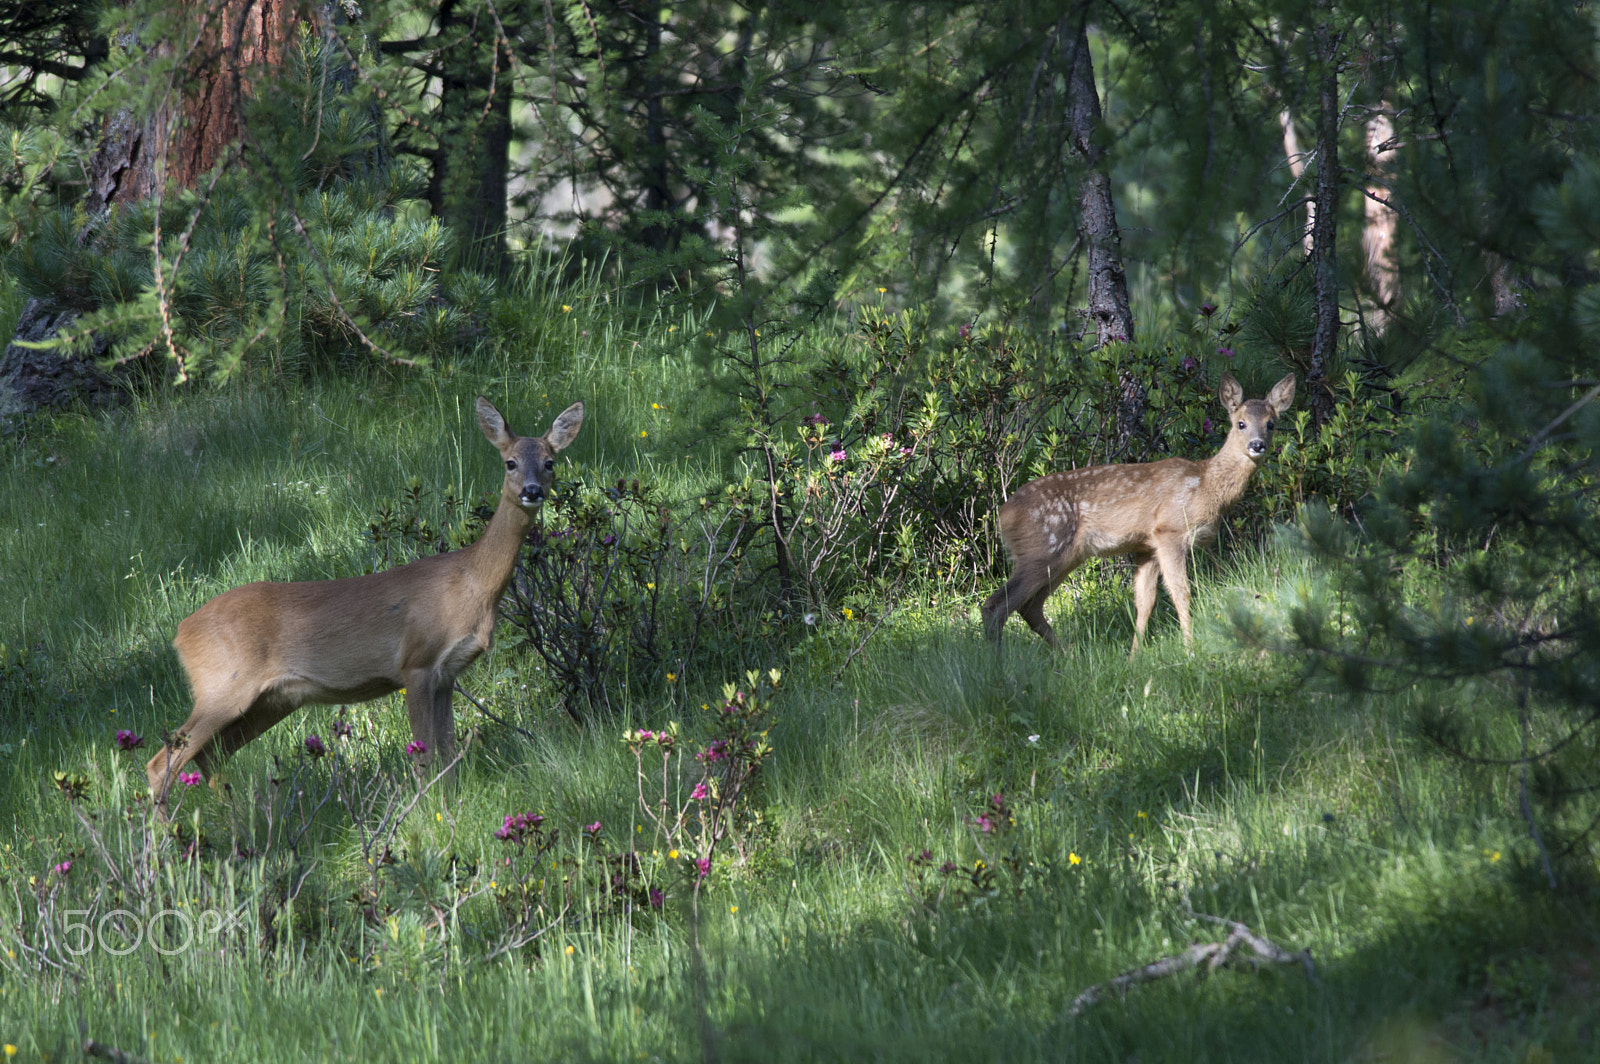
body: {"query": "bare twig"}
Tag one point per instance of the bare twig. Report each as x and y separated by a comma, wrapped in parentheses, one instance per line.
(525, 733)
(1213, 955)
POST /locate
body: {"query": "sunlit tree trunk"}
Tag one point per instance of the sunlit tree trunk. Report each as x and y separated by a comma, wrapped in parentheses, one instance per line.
(1297, 167)
(1382, 223)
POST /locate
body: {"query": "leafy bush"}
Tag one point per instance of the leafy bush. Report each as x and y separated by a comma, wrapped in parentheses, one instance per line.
(587, 591)
(909, 443)
(320, 261)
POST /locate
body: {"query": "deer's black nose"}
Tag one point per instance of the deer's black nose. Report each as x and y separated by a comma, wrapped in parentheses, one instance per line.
(533, 494)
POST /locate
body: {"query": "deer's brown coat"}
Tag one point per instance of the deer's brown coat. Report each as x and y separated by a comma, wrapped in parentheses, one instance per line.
(257, 653)
(1154, 511)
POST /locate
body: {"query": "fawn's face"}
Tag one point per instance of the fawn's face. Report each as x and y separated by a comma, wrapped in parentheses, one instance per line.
(1254, 420)
(1253, 424)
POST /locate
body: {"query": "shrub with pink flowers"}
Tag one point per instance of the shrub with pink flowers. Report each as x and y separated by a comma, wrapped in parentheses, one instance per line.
(898, 449)
(692, 820)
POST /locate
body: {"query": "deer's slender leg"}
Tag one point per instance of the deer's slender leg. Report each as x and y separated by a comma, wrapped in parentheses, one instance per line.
(1029, 579)
(189, 742)
(1144, 594)
(421, 685)
(1174, 570)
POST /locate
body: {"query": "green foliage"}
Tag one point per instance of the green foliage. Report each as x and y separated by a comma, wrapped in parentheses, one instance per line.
(1475, 562)
(1324, 822)
(309, 254)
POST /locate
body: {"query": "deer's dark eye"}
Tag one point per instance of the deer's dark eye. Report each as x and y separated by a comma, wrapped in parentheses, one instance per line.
(511, 463)
(549, 463)
(1271, 425)
(1241, 426)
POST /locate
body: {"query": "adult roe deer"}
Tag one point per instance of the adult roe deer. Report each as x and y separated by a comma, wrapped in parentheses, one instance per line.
(1153, 510)
(257, 653)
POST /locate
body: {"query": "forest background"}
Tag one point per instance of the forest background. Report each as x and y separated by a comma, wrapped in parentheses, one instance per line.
(741, 777)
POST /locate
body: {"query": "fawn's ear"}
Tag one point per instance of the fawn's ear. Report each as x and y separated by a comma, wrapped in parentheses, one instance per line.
(565, 427)
(1230, 393)
(1282, 395)
(493, 425)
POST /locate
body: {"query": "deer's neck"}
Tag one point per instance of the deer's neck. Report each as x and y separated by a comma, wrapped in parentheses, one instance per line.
(1227, 475)
(495, 553)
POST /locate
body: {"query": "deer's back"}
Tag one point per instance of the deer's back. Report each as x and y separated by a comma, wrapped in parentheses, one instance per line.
(1108, 509)
(348, 639)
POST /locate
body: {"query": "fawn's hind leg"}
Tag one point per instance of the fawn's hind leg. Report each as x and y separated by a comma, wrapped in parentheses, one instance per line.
(1029, 580)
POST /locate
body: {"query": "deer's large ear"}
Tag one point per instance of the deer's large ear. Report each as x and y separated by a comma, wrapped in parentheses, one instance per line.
(1282, 395)
(565, 427)
(1230, 393)
(493, 425)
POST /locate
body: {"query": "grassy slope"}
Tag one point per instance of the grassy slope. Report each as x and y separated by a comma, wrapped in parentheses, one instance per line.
(1321, 821)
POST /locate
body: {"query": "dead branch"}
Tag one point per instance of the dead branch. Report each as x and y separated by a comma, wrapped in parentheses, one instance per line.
(1213, 955)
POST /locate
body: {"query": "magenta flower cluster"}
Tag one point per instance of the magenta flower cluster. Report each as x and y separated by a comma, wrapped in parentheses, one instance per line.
(416, 748)
(814, 419)
(127, 740)
(519, 827)
(189, 779)
(314, 745)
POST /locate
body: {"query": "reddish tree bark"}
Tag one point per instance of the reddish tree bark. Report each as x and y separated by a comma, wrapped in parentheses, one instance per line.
(224, 47)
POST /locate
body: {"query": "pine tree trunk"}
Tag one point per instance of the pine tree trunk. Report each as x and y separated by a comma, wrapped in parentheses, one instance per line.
(1108, 306)
(182, 137)
(1097, 212)
(467, 190)
(1324, 233)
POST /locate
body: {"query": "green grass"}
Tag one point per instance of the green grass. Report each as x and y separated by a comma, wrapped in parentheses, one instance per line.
(1322, 821)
